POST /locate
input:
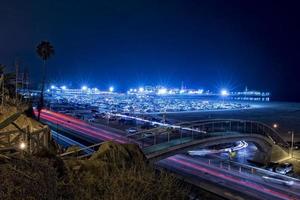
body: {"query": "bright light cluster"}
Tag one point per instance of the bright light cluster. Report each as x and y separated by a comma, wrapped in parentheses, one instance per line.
(224, 92)
(84, 88)
(162, 91)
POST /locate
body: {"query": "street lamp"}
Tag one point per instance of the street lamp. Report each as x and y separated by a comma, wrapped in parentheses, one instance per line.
(224, 93)
(22, 145)
(84, 88)
(275, 125)
(141, 89)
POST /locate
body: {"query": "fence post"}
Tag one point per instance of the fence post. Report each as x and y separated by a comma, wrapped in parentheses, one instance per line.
(180, 135)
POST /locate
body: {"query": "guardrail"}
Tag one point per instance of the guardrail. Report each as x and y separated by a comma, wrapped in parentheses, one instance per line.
(80, 153)
(202, 128)
(248, 169)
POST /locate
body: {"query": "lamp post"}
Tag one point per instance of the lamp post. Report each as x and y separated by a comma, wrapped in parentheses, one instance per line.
(22, 147)
(292, 143)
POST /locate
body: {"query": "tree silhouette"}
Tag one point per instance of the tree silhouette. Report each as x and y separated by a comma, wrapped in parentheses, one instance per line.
(44, 50)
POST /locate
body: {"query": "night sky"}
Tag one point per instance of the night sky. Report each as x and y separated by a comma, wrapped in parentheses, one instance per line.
(205, 44)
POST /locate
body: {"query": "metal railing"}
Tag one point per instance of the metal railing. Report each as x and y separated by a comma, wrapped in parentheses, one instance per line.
(208, 128)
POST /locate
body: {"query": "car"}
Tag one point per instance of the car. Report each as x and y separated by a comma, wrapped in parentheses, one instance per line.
(131, 130)
(148, 134)
(284, 168)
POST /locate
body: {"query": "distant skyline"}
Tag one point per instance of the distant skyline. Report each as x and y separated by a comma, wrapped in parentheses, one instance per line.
(62, 86)
(207, 44)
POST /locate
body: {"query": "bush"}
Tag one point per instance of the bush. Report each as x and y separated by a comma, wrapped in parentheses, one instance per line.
(114, 172)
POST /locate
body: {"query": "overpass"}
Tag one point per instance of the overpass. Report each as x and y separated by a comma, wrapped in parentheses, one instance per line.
(160, 142)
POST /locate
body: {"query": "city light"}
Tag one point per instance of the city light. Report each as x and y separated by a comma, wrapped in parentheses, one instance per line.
(84, 88)
(52, 87)
(275, 125)
(111, 89)
(22, 145)
(63, 87)
(141, 89)
(224, 92)
(153, 99)
(162, 91)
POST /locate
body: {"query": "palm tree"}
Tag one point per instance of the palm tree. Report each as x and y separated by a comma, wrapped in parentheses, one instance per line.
(44, 50)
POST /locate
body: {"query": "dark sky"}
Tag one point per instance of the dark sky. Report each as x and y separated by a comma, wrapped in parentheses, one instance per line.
(205, 44)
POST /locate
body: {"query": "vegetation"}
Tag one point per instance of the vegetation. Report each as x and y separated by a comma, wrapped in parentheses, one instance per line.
(116, 171)
(44, 50)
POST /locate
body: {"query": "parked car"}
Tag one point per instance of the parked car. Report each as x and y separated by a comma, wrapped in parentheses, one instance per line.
(148, 134)
(131, 131)
(284, 168)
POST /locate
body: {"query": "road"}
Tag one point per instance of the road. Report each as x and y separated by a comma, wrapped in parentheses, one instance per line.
(67, 142)
(232, 183)
(240, 146)
(197, 170)
(80, 127)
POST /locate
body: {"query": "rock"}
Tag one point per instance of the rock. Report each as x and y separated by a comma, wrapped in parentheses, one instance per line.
(120, 154)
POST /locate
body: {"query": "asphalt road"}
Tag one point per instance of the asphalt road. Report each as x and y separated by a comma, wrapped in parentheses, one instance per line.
(241, 184)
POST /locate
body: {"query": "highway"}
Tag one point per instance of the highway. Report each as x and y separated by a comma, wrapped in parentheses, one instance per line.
(196, 170)
(67, 142)
(240, 146)
(230, 183)
(80, 127)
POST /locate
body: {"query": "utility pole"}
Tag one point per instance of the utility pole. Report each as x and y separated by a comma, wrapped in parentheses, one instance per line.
(16, 89)
(2, 85)
(292, 145)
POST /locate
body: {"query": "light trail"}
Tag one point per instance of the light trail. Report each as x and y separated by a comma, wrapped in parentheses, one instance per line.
(80, 126)
(190, 167)
(240, 146)
(158, 123)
